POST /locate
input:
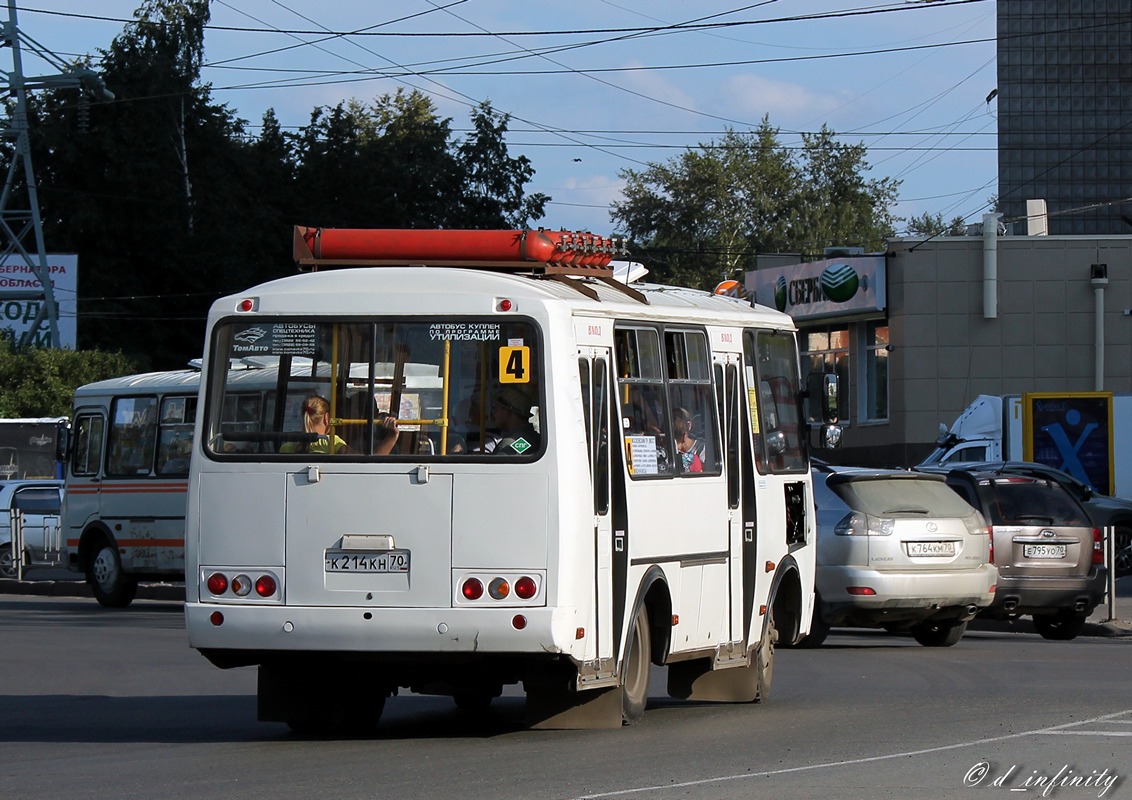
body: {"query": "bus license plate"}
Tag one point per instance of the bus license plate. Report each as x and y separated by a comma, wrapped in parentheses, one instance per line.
(931, 548)
(1043, 550)
(384, 561)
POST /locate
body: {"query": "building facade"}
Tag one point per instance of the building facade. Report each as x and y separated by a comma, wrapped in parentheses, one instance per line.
(1065, 113)
(952, 318)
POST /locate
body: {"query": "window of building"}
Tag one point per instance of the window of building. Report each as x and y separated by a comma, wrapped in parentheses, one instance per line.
(825, 351)
(876, 371)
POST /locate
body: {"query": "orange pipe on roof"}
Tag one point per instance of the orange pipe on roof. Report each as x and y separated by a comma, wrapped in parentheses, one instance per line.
(433, 245)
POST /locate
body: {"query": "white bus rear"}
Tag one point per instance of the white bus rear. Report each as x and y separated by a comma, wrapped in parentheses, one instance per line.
(582, 548)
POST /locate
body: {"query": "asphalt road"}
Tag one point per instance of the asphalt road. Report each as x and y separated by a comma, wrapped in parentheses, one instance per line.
(99, 704)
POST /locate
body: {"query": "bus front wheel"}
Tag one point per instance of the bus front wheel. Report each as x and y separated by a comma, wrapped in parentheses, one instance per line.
(112, 587)
(638, 662)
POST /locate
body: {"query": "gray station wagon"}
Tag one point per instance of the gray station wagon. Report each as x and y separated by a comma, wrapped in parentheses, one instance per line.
(1048, 553)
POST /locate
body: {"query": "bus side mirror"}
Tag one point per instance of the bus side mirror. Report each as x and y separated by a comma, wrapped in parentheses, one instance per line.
(826, 390)
(830, 392)
(62, 441)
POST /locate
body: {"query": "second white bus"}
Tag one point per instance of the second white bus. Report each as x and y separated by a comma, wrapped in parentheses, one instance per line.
(595, 543)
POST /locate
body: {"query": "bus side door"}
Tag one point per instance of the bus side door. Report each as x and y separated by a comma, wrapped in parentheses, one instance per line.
(82, 500)
(594, 372)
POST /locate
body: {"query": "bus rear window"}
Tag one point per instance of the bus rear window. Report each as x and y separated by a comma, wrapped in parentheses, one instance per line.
(285, 389)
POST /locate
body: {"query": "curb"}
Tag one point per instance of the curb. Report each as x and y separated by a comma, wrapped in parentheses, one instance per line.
(79, 588)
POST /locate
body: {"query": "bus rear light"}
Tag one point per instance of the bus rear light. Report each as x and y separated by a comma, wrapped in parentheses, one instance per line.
(217, 583)
(216, 618)
(247, 304)
(472, 589)
(498, 588)
(265, 586)
(518, 622)
(241, 586)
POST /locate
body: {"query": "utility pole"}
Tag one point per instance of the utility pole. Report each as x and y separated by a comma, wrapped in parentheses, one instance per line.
(21, 227)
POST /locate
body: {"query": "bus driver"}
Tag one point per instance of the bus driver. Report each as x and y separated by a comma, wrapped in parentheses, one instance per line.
(511, 415)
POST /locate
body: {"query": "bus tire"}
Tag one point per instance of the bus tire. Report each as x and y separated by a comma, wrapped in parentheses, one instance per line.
(764, 657)
(819, 629)
(111, 586)
(635, 672)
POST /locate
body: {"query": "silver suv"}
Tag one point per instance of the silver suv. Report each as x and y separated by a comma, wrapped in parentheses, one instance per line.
(1049, 556)
(39, 503)
(900, 551)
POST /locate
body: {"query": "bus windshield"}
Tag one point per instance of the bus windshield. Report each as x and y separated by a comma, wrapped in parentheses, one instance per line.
(287, 388)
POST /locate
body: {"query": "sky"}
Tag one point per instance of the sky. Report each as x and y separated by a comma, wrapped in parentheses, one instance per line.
(598, 87)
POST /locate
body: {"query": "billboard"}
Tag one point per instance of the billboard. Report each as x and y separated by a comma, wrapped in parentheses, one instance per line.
(17, 313)
(834, 287)
(1071, 432)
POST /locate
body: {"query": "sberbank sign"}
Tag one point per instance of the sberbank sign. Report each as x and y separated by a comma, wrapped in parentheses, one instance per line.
(822, 288)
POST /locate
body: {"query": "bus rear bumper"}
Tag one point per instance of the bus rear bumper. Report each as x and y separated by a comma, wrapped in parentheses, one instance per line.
(246, 632)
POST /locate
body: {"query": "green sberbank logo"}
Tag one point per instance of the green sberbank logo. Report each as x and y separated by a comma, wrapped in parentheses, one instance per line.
(780, 293)
(839, 282)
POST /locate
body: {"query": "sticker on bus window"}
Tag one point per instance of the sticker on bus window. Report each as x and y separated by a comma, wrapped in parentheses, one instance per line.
(641, 453)
(279, 339)
(514, 365)
(753, 396)
(464, 331)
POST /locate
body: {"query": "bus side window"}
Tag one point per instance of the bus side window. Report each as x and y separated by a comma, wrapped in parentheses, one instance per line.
(132, 436)
(87, 448)
(175, 441)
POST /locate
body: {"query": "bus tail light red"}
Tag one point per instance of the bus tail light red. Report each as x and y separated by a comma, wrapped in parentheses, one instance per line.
(483, 588)
(235, 585)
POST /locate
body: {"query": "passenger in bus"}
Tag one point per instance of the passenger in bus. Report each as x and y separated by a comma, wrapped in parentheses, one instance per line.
(386, 435)
(316, 419)
(692, 451)
(511, 416)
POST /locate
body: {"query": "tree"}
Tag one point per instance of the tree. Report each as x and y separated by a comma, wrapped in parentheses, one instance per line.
(927, 224)
(40, 382)
(170, 204)
(493, 182)
(704, 215)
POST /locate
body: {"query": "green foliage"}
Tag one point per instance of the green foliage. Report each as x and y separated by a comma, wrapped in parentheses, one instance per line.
(703, 216)
(40, 382)
(170, 204)
(933, 225)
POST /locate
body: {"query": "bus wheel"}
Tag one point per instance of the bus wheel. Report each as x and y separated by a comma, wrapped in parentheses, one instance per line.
(635, 678)
(764, 657)
(359, 719)
(112, 587)
(819, 628)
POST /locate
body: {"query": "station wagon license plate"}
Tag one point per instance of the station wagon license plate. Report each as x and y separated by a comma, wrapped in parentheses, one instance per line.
(931, 548)
(385, 561)
(1043, 550)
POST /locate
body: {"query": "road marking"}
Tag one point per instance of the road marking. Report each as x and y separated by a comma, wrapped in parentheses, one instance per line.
(1054, 729)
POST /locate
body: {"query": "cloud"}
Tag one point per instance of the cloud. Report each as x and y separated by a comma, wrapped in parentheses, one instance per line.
(752, 96)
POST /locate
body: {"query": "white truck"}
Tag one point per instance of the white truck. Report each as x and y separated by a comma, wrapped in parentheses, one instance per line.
(1087, 434)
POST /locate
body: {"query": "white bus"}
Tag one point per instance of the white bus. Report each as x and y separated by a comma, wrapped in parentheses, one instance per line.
(126, 477)
(28, 449)
(588, 478)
